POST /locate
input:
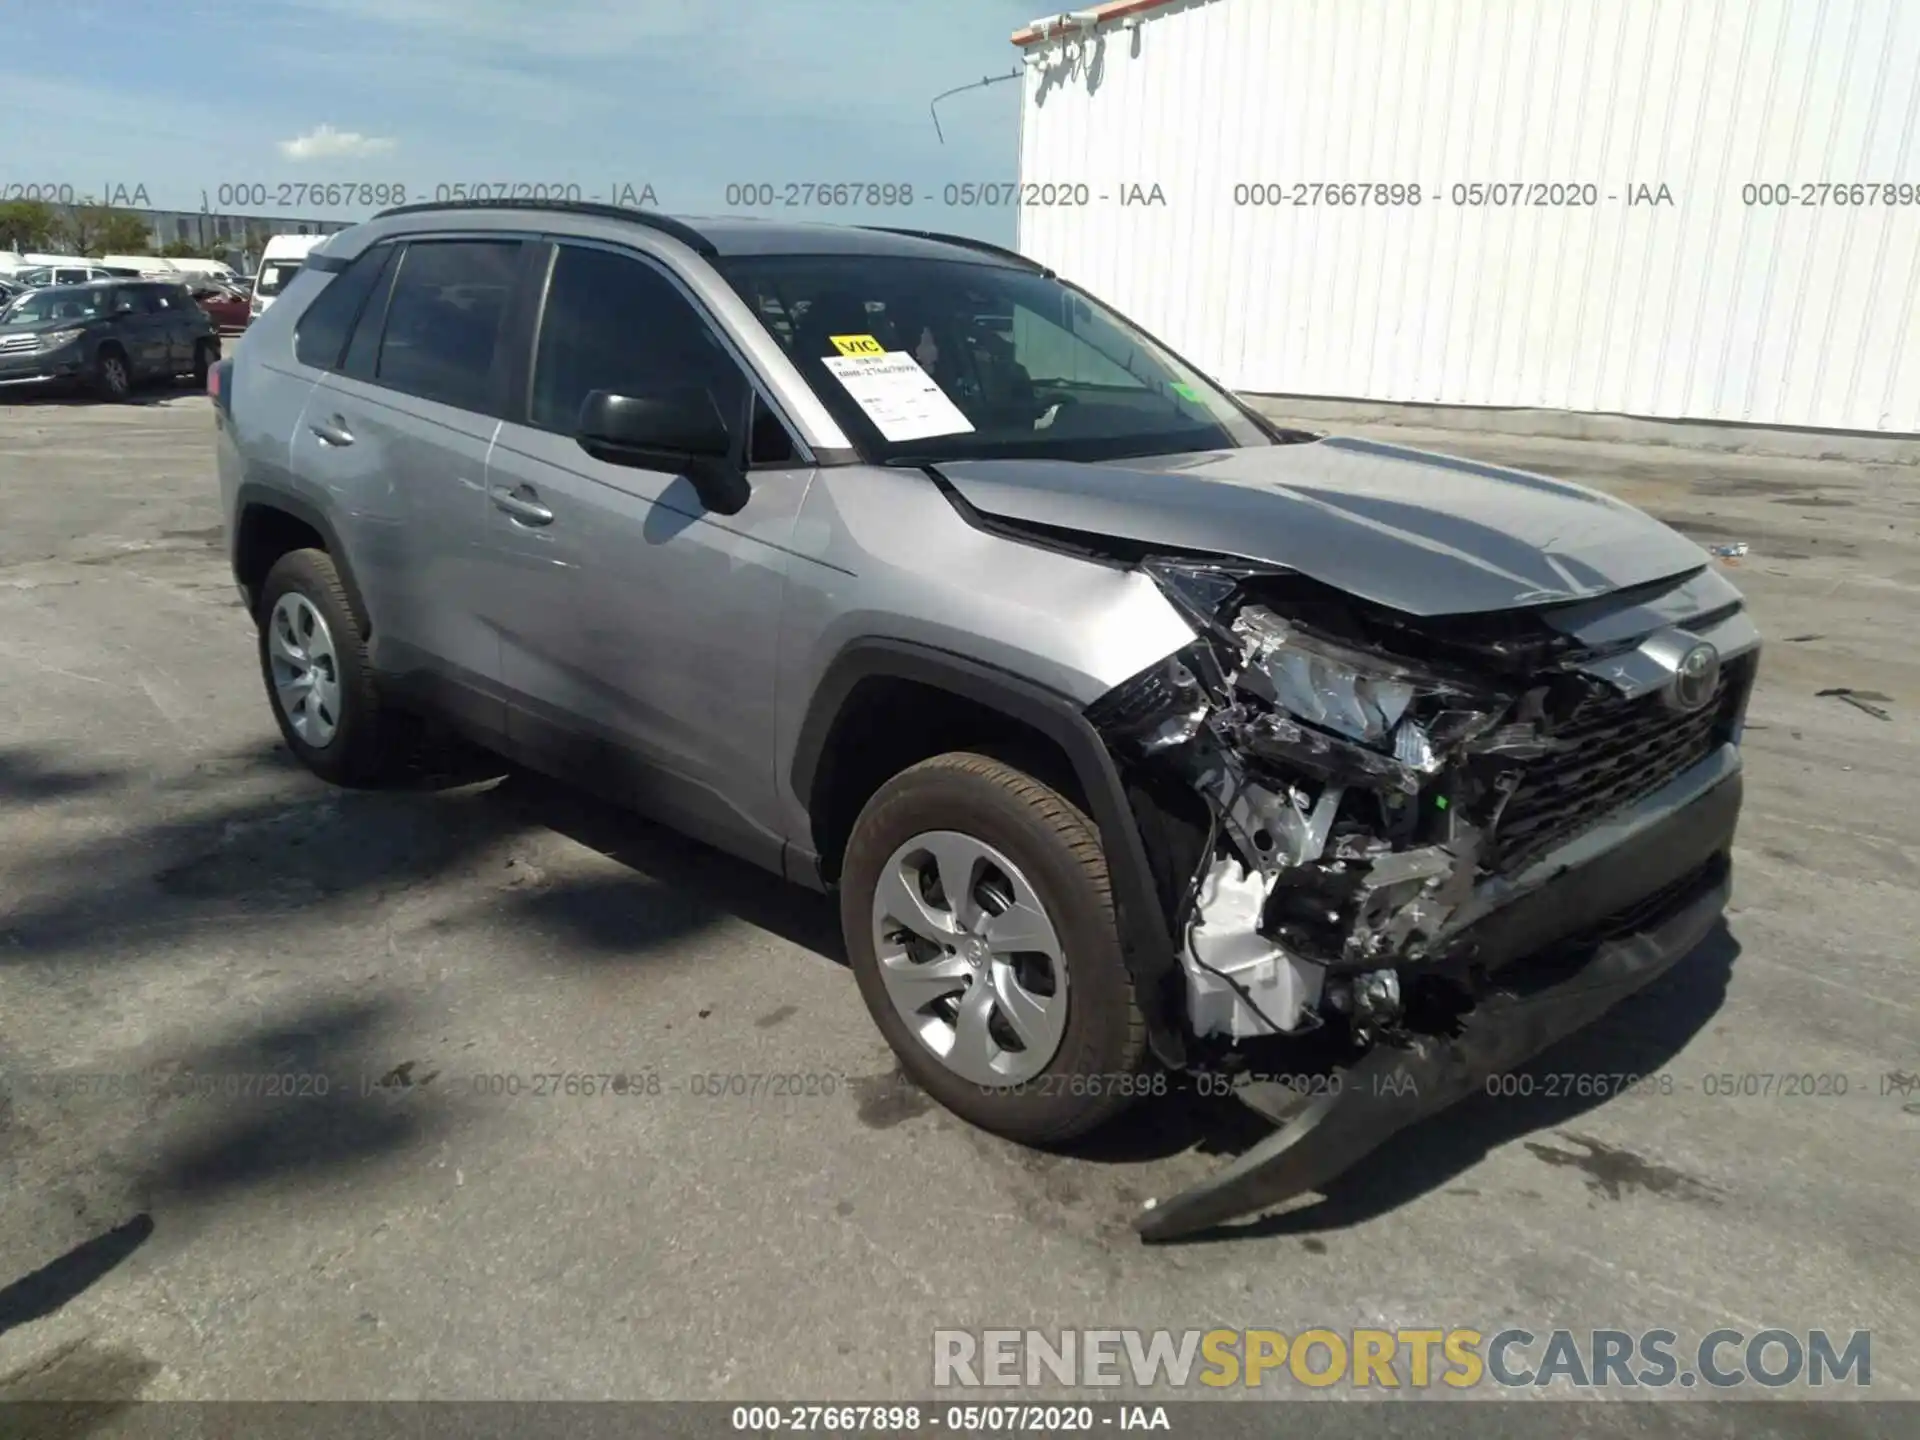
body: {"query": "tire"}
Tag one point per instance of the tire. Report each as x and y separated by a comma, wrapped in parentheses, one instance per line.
(1098, 1064)
(343, 737)
(203, 358)
(112, 374)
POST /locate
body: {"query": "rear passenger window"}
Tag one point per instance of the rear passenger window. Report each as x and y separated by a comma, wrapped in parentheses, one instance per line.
(320, 336)
(444, 319)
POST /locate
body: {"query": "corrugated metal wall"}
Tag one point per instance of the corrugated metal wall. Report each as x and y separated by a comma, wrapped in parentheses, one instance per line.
(1722, 304)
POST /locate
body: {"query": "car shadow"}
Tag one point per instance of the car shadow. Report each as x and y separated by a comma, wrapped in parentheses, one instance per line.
(1640, 1036)
(677, 871)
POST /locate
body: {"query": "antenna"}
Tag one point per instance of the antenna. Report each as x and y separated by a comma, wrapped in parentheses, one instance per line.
(959, 89)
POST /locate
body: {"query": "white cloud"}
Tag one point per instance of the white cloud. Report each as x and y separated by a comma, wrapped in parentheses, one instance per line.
(326, 143)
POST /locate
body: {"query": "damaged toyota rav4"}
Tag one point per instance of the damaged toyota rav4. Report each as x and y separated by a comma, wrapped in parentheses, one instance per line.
(1137, 736)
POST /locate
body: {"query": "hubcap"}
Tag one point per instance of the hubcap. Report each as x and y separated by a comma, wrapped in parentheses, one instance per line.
(306, 671)
(970, 958)
(116, 375)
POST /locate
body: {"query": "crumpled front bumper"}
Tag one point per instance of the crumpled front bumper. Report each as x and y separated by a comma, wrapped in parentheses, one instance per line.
(1682, 872)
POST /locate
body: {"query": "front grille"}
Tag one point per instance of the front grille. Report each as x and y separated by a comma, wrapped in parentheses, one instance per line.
(14, 344)
(1620, 750)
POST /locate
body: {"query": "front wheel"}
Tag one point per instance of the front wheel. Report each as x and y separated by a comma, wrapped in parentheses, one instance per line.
(979, 919)
(112, 376)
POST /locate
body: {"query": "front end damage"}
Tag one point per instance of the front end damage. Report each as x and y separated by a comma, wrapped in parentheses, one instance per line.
(1401, 855)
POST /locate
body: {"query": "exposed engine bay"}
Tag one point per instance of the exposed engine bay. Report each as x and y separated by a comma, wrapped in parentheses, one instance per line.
(1353, 769)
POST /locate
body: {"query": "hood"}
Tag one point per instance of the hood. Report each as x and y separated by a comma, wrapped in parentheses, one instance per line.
(1417, 532)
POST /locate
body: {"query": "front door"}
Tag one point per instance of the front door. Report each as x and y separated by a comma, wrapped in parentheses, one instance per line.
(637, 628)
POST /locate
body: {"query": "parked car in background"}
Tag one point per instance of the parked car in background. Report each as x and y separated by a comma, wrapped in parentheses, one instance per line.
(62, 275)
(107, 335)
(229, 308)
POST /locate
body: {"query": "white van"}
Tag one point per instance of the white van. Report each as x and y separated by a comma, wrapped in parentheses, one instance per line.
(146, 266)
(279, 263)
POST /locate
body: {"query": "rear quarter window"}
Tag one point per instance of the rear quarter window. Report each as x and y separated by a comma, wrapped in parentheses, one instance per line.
(320, 337)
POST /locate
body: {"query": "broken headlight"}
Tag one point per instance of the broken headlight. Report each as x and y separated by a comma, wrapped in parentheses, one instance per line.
(1354, 694)
(1319, 682)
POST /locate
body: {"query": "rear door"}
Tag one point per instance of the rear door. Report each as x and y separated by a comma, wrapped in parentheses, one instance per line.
(177, 325)
(398, 432)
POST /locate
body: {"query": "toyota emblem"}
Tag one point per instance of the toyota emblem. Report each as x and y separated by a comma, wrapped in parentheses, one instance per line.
(1695, 678)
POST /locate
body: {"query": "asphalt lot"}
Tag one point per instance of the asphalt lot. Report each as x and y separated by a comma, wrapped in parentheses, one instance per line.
(174, 893)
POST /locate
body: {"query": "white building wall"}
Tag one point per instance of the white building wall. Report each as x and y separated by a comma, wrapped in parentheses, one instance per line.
(1705, 308)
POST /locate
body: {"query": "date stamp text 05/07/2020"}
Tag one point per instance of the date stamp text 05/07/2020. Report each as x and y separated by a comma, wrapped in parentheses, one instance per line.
(168, 1083)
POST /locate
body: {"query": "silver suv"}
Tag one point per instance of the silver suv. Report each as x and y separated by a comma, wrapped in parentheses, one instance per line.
(1138, 736)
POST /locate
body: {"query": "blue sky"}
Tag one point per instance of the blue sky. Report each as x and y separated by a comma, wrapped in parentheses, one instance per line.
(181, 96)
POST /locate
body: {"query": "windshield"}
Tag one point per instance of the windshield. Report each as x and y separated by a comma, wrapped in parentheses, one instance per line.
(924, 360)
(63, 302)
(275, 274)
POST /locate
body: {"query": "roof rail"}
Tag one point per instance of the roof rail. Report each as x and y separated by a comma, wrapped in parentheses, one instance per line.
(665, 224)
(966, 242)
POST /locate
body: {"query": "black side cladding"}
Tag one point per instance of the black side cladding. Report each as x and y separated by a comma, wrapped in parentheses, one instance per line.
(1146, 936)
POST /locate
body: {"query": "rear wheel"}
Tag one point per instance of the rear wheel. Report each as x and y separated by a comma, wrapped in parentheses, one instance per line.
(203, 358)
(979, 918)
(314, 661)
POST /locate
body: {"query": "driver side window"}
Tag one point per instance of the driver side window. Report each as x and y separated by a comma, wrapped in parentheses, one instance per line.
(614, 322)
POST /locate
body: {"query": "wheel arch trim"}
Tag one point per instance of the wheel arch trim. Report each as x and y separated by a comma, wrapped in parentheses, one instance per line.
(1145, 934)
(254, 495)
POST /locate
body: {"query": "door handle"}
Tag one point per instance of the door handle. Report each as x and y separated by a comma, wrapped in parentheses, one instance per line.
(332, 432)
(520, 504)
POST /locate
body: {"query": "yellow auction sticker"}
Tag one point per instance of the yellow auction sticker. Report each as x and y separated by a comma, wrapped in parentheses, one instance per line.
(857, 345)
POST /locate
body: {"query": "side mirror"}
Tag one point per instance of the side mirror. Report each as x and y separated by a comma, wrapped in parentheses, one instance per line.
(680, 429)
